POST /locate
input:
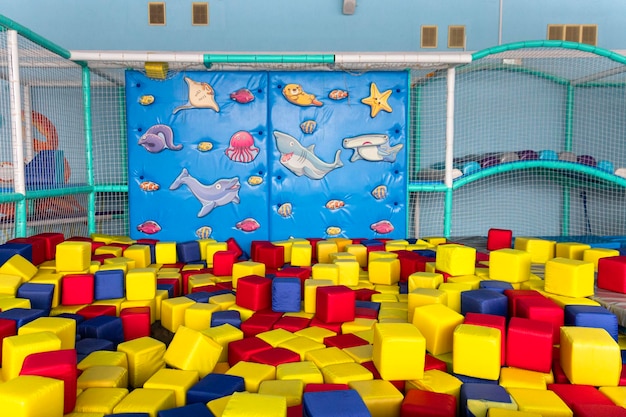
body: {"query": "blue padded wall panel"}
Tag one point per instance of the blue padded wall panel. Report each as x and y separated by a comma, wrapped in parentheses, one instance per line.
(343, 171)
(197, 156)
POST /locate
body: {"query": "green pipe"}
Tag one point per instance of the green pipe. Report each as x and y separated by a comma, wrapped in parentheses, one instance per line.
(10, 197)
(550, 77)
(59, 192)
(110, 188)
(91, 198)
(569, 117)
(210, 59)
(436, 187)
(447, 210)
(34, 37)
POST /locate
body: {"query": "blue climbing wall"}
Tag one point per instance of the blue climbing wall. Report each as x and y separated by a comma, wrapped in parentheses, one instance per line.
(267, 155)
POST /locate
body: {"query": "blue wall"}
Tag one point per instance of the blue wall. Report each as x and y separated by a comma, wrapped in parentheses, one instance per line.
(307, 25)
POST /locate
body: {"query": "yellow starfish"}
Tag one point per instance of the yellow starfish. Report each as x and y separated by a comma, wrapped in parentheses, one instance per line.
(377, 101)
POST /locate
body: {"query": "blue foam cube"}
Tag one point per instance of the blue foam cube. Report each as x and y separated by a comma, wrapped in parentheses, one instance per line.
(88, 344)
(473, 380)
(22, 316)
(40, 295)
(484, 301)
(231, 317)
(188, 251)
(591, 316)
(495, 285)
(486, 392)
(102, 327)
(286, 295)
(367, 304)
(334, 403)
(214, 386)
(195, 410)
(109, 284)
(8, 250)
(199, 297)
(167, 287)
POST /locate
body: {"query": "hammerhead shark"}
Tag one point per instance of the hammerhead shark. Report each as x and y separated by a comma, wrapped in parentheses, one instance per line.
(373, 148)
(301, 160)
(221, 192)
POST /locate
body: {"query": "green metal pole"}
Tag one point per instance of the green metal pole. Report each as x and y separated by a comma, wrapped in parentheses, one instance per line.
(447, 213)
(91, 204)
(32, 36)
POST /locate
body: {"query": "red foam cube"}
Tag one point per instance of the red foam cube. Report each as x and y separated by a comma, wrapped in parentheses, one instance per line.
(428, 404)
(275, 356)
(273, 256)
(595, 410)
(499, 239)
(574, 394)
(57, 364)
(254, 292)
(430, 362)
(325, 387)
(365, 294)
(514, 296)
(135, 322)
(223, 262)
(77, 289)
(365, 313)
(243, 349)
(254, 248)
(612, 274)
(52, 239)
(335, 304)
(91, 311)
(233, 246)
(259, 322)
(543, 309)
(38, 247)
(493, 321)
(292, 323)
(343, 341)
(528, 335)
(410, 262)
(8, 328)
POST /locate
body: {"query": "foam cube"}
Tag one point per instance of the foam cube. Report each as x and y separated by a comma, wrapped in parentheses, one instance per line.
(141, 284)
(223, 262)
(15, 349)
(188, 252)
(455, 259)
(612, 274)
(490, 320)
(509, 265)
(102, 327)
(173, 312)
(428, 404)
(273, 256)
(9, 284)
(301, 345)
(192, 350)
(254, 292)
(99, 400)
(286, 294)
(77, 289)
(484, 301)
(437, 322)
(335, 304)
(399, 350)
(526, 335)
(214, 386)
(145, 357)
(244, 404)
(328, 272)
(590, 356)
(591, 316)
(541, 250)
(593, 255)
(571, 250)
(165, 253)
(573, 394)
(543, 402)
(37, 248)
(103, 376)
(569, 277)
(176, 380)
(40, 295)
(32, 396)
(20, 266)
(344, 373)
(109, 284)
(592, 410)
(135, 322)
(381, 397)
(476, 398)
(305, 371)
(95, 310)
(424, 280)
(543, 309)
(511, 377)
(301, 254)
(247, 268)
(334, 403)
(291, 390)
(252, 373)
(223, 334)
(51, 239)
(73, 256)
(275, 356)
(436, 380)
(148, 400)
(349, 270)
(63, 328)
(384, 271)
(243, 349)
(499, 239)
(310, 293)
(476, 351)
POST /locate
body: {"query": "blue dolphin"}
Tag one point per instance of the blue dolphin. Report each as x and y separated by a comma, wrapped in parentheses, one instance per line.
(221, 192)
(301, 160)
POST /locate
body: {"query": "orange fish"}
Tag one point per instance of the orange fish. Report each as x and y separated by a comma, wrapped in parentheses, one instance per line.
(149, 186)
(338, 94)
(335, 204)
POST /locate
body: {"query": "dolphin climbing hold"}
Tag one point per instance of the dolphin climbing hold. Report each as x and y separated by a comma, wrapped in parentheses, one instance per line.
(221, 192)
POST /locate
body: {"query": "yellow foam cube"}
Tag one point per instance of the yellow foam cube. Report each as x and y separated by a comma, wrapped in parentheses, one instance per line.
(22, 267)
(109, 250)
(310, 292)
(125, 263)
(357, 325)
(198, 316)
(123, 266)
(437, 323)
(563, 301)
(217, 406)
(360, 354)
(253, 373)
(173, 312)
(569, 277)
(326, 271)
(211, 249)
(146, 400)
(328, 356)
(571, 250)
(360, 253)
(348, 271)
(424, 280)
(454, 291)
(473, 280)
(541, 250)
(103, 358)
(202, 243)
(145, 357)
(140, 254)
(99, 400)
(590, 356)
(381, 397)
(593, 255)
(435, 240)
(276, 336)
(455, 259)
(141, 284)
(32, 396)
(301, 253)
(177, 380)
(323, 249)
(437, 381)
(381, 254)
(16, 348)
(511, 377)
(384, 271)
(480, 407)
(50, 278)
(305, 371)
(243, 404)
(476, 351)
(223, 335)
(192, 350)
(200, 280)
(290, 389)
(399, 351)
(341, 256)
(9, 284)
(245, 268)
(344, 373)
(63, 328)
(396, 245)
(384, 298)
(287, 246)
(543, 402)
(103, 376)
(509, 265)
(223, 301)
(317, 334)
(615, 394)
(165, 253)
(425, 296)
(71, 256)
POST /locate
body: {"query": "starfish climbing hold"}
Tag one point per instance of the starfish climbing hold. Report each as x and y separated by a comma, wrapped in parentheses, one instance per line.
(377, 100)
